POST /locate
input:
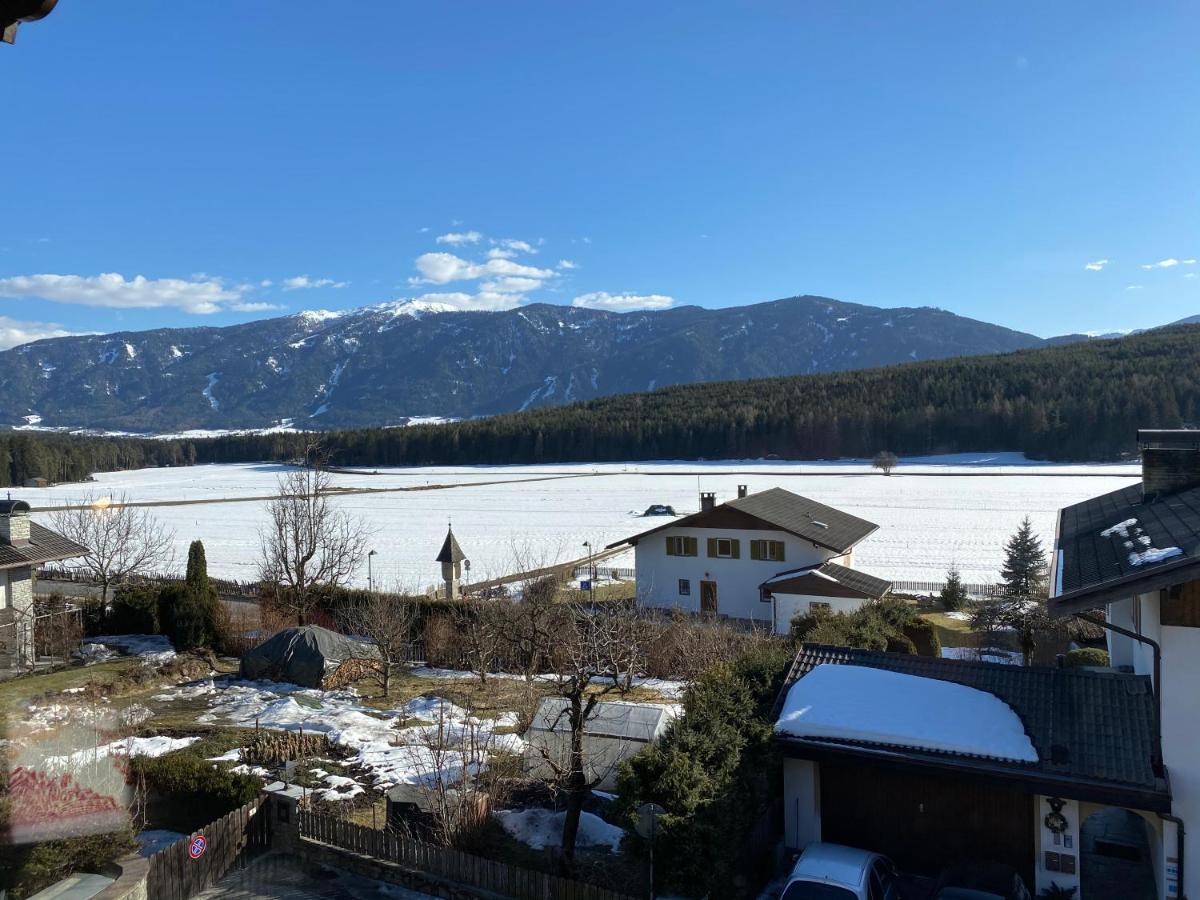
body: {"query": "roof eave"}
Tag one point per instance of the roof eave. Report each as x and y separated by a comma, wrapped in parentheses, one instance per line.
(1157, 578)
(1031, 780)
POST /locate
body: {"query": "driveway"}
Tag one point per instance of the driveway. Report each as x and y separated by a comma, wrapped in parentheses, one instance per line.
(278, 875)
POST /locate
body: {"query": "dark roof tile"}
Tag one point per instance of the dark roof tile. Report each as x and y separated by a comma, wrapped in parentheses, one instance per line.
(44, 546)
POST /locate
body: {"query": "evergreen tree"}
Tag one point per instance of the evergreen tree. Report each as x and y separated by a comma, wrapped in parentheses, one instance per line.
(953, 595)
(1024, 570)
(188, 613)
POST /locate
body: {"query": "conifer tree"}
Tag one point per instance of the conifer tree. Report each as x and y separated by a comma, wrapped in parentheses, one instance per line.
(188, 614)
(953, 595)
(1024, 570)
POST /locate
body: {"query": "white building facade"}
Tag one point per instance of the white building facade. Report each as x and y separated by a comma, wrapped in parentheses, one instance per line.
(721, 561)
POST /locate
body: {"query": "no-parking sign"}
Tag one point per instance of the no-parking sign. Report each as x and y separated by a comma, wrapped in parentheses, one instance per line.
(199, 845)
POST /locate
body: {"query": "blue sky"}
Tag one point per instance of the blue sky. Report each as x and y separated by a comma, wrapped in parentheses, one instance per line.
(251, 159)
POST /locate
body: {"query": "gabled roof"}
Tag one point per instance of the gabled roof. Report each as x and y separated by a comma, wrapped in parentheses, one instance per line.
(780, 509)
(828, 580)
(1120, 542)
(44, 546)
(450, 551)
(1094, 732)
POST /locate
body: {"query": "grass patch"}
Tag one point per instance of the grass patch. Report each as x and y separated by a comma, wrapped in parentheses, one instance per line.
(17, 692)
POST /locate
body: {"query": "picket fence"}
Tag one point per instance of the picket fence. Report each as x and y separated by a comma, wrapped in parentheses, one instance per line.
(446, 863)
(176, 875)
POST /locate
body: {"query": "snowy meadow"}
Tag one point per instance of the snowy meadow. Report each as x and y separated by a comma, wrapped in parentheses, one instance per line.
(931, 512)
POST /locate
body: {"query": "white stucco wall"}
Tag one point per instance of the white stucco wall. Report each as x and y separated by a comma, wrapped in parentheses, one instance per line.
(787, 605)
(1180, 720)
(737, 579)
(5, 590)
(801, 803)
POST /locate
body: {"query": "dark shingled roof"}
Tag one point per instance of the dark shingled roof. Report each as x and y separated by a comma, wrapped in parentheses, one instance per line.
(1089, 728)
(809, 581)
(44, 546)
(781, 509)
(1087, 561)
(450, 551)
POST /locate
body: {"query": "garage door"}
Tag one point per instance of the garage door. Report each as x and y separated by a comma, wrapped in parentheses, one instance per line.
(923, 822)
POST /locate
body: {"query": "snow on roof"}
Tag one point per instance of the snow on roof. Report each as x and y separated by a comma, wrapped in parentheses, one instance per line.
(859, 703)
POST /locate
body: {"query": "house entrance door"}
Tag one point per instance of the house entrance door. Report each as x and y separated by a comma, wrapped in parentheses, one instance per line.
(708, 596)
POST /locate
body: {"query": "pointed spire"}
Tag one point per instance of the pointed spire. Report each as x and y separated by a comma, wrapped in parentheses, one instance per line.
(450, 551)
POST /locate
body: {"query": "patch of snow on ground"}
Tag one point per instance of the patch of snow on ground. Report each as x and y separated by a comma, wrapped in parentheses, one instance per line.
(448, 743)
(541, 828)
(154, 649)
(131, 747)
(860, 703)
(932, 512)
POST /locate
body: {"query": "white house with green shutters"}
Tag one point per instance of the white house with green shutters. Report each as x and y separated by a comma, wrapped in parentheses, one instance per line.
(761, 557)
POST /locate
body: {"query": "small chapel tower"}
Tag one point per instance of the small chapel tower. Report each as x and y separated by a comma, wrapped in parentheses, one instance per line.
(451, 557)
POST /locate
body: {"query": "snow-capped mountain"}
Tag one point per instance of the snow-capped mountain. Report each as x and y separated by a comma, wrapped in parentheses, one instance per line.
(383, 364)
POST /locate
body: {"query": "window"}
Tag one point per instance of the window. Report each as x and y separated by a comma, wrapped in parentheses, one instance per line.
(685, 587)
(1180, 605)
(769, 550)
(819, 606)
(678, 545)
(724, 548)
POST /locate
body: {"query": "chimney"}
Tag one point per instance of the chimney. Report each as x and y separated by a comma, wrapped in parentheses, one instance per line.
(708, 501)
(14, 522)
(1170, 460)
(742, 491)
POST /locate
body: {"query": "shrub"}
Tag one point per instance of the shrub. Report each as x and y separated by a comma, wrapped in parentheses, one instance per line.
(1087, 656)
(134, 610)
(443, 643)
(27, 869)
(194, 791)
(924, 637)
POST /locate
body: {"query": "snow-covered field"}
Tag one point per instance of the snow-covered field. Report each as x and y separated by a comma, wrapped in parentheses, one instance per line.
(932, 512)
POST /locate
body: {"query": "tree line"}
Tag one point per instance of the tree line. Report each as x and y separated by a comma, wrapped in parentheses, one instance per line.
(1080, 401)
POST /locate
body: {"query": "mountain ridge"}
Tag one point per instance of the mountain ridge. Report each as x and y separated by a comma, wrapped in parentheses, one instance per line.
(388, 363)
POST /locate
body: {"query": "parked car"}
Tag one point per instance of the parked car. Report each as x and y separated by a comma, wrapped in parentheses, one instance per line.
(834, 872)
(980, 881)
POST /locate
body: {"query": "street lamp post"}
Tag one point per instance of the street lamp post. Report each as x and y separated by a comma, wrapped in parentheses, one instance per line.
(370, 576)
(587, 545)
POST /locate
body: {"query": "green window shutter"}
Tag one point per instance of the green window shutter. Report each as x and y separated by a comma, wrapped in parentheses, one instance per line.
(670, 547)
(756, 550)
(689, 546)
(735, 548)
(779, 554)
(712, 546)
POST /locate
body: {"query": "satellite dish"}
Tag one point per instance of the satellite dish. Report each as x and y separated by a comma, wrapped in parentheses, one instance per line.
(647, 823)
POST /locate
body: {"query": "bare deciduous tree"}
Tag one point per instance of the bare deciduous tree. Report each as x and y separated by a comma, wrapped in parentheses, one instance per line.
(885, 461)
(481, 629)
(308, 543)
(385, 623)
(122, 540)
(593, 654)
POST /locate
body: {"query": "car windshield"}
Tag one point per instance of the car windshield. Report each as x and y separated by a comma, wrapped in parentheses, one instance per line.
(815, 890)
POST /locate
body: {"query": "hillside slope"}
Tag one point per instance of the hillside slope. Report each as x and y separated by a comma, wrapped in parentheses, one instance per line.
(382, 365)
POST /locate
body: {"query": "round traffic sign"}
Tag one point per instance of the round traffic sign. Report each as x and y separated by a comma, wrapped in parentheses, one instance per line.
(199, 845)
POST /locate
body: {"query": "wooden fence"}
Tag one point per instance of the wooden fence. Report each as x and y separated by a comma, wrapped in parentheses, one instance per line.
(977, 591)
(448, 864)
(175, 875)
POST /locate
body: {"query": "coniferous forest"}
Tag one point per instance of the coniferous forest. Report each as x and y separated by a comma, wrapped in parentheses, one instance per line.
(1081, 401)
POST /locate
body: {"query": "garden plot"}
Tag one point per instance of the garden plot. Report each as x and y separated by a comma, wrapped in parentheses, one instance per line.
(932, 512)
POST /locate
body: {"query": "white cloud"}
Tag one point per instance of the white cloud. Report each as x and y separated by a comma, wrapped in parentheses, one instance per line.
(266, 282)
(1162, 264)
(112, 290)
(622, 302)
(1188, 262)
(13, 332)
(456, 238)
(519, 246)
(303, 282)
(500, 253)
(1097, 265)
(442, 268)
(512, 284)
(567, 264)
(1189, 274)
(1133, 287)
